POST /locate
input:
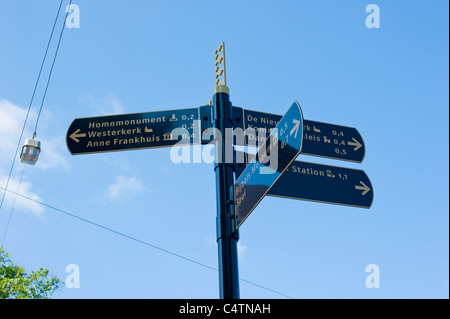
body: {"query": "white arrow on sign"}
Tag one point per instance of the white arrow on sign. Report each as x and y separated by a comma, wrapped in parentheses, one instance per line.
(295, 128)
(74, 136)
(355, 143)
(364, 188)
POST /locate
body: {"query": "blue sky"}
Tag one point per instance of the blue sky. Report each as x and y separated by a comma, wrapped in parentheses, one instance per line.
(391, 83)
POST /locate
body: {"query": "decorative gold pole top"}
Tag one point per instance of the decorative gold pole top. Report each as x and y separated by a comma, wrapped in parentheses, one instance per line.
(220, 70)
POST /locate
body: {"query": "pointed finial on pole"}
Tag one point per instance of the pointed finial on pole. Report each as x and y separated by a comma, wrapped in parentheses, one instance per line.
(220, 70)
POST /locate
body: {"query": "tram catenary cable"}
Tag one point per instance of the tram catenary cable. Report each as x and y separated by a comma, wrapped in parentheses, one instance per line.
(51, 69)
(141, 241)
(29, 108)
(32, 98)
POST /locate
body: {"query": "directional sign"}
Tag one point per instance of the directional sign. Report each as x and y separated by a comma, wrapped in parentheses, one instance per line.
(319, 139)
(274, 156)
(322, 183)
(136, 131)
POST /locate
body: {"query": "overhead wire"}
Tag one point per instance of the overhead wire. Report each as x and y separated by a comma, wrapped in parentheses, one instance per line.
(31, 101)
(40, 108)
(142, 241)
(65, 212)
(51, 69)
(12, 209)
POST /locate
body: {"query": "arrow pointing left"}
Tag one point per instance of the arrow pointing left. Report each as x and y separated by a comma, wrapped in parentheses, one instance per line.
(74, 136)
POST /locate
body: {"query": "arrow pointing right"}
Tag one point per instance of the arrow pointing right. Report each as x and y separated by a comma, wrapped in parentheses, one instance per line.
(316, 138)
(355, 143)
(363, 188)
(320, 183)
(74, 136)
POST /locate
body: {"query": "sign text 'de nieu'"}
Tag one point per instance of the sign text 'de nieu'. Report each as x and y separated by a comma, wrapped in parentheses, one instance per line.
(319, 139)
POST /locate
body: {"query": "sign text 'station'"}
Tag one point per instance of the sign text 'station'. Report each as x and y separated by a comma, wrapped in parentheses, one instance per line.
(320, 183)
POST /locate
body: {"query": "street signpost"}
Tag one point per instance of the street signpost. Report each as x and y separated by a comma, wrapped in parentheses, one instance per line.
(240, 185)
(137, 130)
(319, 139)
(278, 151)
(322, 183)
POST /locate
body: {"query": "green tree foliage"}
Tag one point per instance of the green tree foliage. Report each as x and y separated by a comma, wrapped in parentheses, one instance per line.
(15, 283)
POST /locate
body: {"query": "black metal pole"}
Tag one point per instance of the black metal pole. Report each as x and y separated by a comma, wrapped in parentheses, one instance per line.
(227, 238)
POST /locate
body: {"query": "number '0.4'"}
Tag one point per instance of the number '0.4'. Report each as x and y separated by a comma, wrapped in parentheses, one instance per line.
(336, 133)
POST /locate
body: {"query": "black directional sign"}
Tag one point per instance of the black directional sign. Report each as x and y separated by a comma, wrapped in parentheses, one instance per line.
(136, 131)
(319, 139)
(274, 156)
(322, 183)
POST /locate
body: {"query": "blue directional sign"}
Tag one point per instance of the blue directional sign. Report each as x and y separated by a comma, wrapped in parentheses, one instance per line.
(272, 159)
(136, 131)
(321, 183)
(319, 139)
